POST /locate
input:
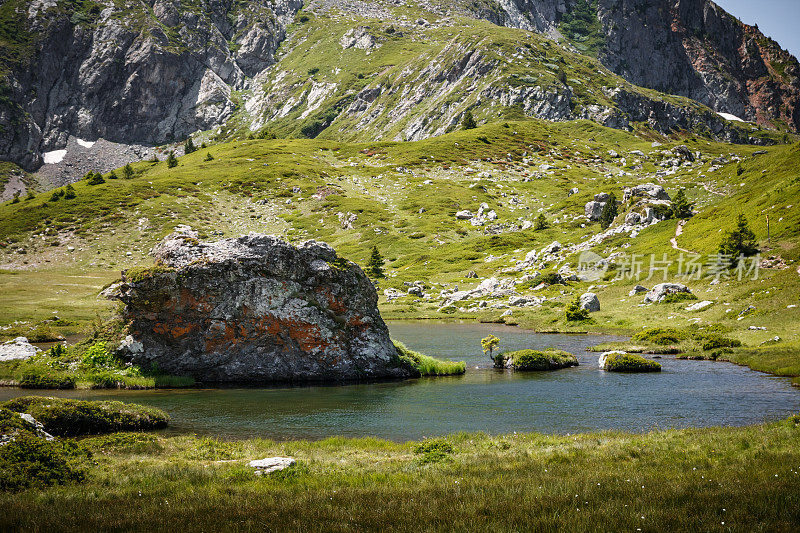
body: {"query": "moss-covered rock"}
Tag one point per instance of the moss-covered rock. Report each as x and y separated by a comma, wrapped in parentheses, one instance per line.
(70, 418)
(627, 362)
(538, 359)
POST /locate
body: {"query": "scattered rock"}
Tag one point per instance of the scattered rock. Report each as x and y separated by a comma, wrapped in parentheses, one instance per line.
(270, 464)
(18, 348)
(651, 191)
(637, 290)
(590, 302)
(699, 306)
(472, 274)
(660, 291)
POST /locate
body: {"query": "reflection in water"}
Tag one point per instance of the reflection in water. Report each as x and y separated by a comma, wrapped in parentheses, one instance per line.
(685, 393)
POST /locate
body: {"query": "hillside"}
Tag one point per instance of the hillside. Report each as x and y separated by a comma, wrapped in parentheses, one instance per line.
(404, 197)
(134, 74)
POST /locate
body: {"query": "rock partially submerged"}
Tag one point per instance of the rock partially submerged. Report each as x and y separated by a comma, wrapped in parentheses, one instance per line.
(18, 348)
(255, 309)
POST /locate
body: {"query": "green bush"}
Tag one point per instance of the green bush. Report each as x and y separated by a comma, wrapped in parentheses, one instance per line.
(71, 418)
(574, 313)
(540, 360)
(630, 362)
(676, 297)
(434, 451)
(711, 341)
(29, 461)
(661, 336)
(11, 423)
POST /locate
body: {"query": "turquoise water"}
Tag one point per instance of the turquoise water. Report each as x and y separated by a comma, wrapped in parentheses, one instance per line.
(685, 393)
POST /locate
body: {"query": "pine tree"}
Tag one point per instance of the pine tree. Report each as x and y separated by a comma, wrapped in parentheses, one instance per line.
(31, 195)
(172, 161)
(540, 223)
(69, 192)
(574, 313)
(15, 199)
(741, 241)
(209, 157)
(112, 175)
(609, 212)
(95, 179)
(488, 344)
(468, 122)
(188, 146)
(127, 171)
(681, 207)
(375, 264)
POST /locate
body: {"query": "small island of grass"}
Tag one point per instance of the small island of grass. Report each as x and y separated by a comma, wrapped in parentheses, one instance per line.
(535, 360)
(627, 362)
(423, 365)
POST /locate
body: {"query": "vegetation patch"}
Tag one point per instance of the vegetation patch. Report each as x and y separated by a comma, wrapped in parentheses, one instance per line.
(32, 462)
(630, 362)
(434, 451)
(424, 365)
(538, 360)
(70, 418)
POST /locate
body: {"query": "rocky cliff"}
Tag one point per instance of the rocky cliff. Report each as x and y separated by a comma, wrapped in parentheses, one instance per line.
(692, 48)
(255, 309)
(130, 71)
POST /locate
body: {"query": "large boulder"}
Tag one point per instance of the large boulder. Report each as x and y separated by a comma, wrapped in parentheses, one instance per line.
(590, 302)
(255, 309)
(660, 291)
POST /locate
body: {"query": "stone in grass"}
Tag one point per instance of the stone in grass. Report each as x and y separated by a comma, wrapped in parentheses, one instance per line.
(699, 306)
(637, 290)
(618, 361)
(269, 465)
(590, 302)
(19, 348)
(660, 291)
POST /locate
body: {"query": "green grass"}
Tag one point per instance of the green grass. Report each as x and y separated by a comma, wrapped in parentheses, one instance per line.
(424, 365)
(695, 479)
(630, 362)
(538, 359)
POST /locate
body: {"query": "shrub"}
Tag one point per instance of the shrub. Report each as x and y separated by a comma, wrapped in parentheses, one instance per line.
(71, 418)
(550, 278)
(188, 146)
(740, 241)
(29, 461)
(69, 192)
(15, 199)
(630, 362)
(540, 360)
(661, 336)
(127, 171)
(609, 213)
(676, 297)
(574, 313)
(209, 157)
(711, 341)
(540, 223)
(468, 122)
(172, 161)
(681, 207)
(434, 451)
(44, 377)
(423, 365)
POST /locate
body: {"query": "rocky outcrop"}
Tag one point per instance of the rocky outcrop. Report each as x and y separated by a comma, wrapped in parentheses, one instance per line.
(127, 73)
(662, 290)
(589, 302)
(692, 48)
(255, 309)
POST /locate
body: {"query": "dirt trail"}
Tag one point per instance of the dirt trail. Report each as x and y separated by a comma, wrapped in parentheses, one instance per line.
(674, 241)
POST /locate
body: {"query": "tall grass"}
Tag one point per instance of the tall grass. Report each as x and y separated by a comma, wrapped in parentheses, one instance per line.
(425, 365)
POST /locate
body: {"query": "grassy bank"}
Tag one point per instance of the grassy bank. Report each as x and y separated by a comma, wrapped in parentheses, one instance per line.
(719, 479)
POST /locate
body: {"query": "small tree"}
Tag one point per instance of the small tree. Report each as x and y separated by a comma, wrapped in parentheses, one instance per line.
(188, 146)
(609, 212)
(69, 192)
(95, 179)
(112, 175)
(154, 159)
(681, 207)
(209, 157)
(375, 264)
(15, 199)
(740, 241)
(540, 223)
(574, 313)
(468, 122)
(127, 171)
(31, 195)
(55, 196)
(489, 344)
(172, 161)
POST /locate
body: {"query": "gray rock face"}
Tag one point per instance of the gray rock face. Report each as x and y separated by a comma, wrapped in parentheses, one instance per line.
(130, 75)
(593, 210)
(660, 291)
(590, 302)
(255, 309)
(651, 191)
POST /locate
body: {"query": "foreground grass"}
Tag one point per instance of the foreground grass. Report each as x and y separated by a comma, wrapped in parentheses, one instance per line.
(731, 479)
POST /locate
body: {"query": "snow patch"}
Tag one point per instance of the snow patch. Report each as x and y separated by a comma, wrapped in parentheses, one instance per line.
(85, 144)
(728, 116)
(56, 156)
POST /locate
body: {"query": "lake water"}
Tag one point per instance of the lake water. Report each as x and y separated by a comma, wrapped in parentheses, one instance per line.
(584, 398)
